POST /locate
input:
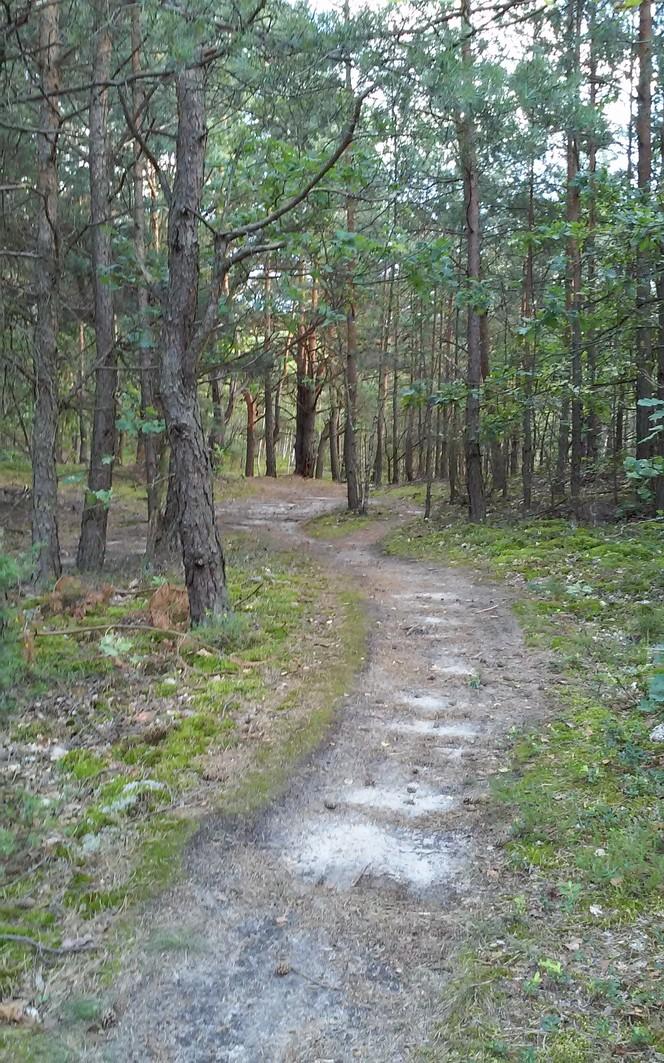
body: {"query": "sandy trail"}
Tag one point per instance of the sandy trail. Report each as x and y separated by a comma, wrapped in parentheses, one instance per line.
(323, 930)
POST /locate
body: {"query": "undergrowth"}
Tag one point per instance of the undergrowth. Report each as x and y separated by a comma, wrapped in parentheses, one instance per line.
(114, 733)
(569, 965)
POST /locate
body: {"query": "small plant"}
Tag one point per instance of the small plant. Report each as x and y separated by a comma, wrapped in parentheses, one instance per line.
(553, 969)
(532, 985)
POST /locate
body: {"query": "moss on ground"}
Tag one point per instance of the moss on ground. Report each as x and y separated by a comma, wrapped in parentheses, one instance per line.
(568, 964)
(310, 713)
(113, 737)
(338, 524)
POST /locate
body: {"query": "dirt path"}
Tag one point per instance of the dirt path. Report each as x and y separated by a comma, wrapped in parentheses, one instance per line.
(323, 931)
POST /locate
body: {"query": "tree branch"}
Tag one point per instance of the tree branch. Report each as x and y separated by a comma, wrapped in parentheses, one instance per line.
(289, 205)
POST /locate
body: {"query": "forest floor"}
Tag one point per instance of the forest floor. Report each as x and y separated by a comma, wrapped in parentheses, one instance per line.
(351, 887)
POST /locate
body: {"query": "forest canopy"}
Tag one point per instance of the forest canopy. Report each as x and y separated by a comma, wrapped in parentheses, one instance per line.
(408, 241)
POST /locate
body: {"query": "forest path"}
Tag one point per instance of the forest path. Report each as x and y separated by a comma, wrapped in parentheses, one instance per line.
(322, 931)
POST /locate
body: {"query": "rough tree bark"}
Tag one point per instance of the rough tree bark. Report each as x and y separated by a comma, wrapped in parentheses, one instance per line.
(163, 534)
(92, 543)
(44, 477)
(202, 554)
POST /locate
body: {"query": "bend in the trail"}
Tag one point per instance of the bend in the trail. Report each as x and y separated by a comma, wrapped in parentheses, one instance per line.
(324, 930)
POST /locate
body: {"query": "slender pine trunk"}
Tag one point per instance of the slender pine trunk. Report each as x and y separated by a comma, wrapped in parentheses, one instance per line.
(45, 539)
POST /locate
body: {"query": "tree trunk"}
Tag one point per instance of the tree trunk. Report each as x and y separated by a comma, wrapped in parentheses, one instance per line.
(44, 475)
(270, 446)
(269, 420)
(202, 554)
(382, 385)
(395, 395)
(92, 544)
(163, 532)
(528, 446)
(573, 268)
(334, 439)
(216, 433)
(643, 256)
(350, 425)
(592, 422)
(659, 482)
(250, 454)
(562, 453)
(306, 398)
(80, 399)
(150, 440)
(320, 457)
(467, 150)
(409, 450)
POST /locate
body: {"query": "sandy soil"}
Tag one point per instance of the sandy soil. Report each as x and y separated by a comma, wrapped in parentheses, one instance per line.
(324, 930)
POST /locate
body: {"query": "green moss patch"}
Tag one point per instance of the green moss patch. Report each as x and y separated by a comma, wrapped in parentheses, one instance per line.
(339, 524)
(568, 963)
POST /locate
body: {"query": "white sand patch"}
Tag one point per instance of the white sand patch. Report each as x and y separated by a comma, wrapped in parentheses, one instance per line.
(339, 852)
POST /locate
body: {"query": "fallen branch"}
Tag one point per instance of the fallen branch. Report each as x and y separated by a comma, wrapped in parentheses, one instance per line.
(251, 593)
(148, 628)
(52, 950)
(29, 871)
(136, 628)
